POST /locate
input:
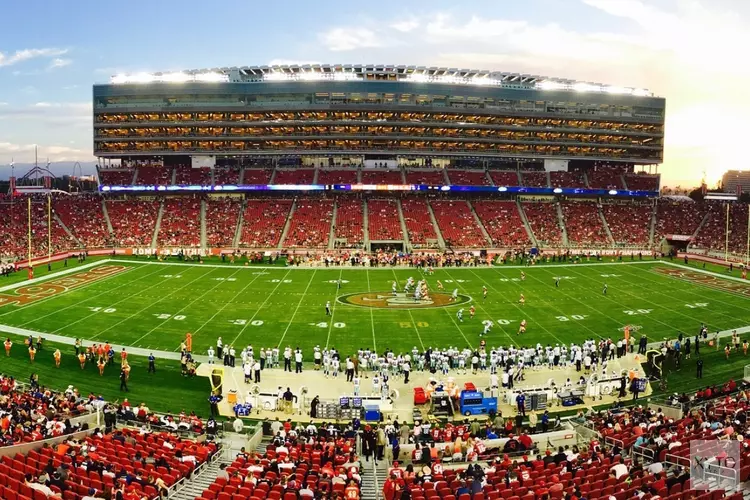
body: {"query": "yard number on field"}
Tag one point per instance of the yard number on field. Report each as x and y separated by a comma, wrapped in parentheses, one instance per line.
(171, 276)
(225, 279)
(696, 305)
(243, 322)
(281, 281)
(611, 275)
(419, 324)
(636, 312)
(577, 317)
(324, 324)
(107, 310)
(178, 317)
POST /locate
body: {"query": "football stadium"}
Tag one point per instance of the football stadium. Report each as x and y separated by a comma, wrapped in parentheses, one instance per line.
(283, 272)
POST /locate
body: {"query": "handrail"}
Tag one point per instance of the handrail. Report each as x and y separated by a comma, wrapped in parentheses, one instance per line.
(173, 490)
(378, 493)
(647, 454)
(680, 460)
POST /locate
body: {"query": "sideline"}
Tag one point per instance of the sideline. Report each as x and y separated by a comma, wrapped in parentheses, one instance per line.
(322, 267)
(62, 339)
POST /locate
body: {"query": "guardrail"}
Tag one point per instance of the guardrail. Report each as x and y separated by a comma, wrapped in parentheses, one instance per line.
(677, 460)
(183, 481)
(644, 453)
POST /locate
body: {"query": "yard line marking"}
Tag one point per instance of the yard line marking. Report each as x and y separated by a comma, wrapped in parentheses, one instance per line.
(658, 306)
(149, 305)
(218, 284)
(127, 297)
(413, 323)
(87, 299)
(372, 318)
(523, 314)
(40, 301)
(459, 285)
(658, 292)
(411, 316)
(333, 309)
(261, 306)
(563, 313)
(297, 309)
(226, 304)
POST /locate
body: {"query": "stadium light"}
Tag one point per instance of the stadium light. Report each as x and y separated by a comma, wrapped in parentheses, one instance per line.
(550, 85)
(179, 77)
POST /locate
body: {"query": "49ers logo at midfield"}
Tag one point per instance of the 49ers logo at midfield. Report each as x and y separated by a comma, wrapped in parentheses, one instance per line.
(386, 300)
(38, 291)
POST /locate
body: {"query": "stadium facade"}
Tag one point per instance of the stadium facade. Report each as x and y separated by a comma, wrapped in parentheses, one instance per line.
(402, 113)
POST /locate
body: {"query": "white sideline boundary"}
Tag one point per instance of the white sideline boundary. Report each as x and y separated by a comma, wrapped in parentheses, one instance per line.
(387, 268)
(169, 355)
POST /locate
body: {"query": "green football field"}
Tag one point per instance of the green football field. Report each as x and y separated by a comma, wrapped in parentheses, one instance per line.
(151, 305)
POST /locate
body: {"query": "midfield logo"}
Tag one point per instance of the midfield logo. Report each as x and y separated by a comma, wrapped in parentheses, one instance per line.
(400, 300)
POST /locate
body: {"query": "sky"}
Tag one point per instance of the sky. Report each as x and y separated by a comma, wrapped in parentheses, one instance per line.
(691, 52)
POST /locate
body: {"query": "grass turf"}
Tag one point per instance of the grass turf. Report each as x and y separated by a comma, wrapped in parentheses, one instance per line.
(152, 305)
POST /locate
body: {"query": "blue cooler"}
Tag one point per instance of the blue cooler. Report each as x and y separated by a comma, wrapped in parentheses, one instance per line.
(372, 413)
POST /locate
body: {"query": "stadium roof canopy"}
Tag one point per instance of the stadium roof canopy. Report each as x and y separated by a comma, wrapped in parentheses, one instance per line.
(375, 72)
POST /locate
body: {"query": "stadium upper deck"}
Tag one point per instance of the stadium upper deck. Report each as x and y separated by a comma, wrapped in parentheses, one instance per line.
(391, 110)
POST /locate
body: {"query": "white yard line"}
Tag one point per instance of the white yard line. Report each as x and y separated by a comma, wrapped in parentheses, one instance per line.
(57, 296)
(150, 305)
(217, 285)
(689, 291)
(226, 304)
(489, 316)
(523, 314)
(87, 299)
(372, 316)
(414, 323)
(333, 308)
(297, 309)
(260, 308)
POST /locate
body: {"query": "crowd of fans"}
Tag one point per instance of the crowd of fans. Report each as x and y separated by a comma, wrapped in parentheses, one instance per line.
(544, 222)
(629, 224)
(418, 222)
(503, 223)
(221, 220)
(349, 222)
(310, 226)
(180, 222)
(300, 463)
(263, 222)
(583, 224)
(457, 224)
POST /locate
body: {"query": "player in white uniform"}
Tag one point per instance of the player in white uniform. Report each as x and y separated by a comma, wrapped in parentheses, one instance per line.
(460, 315)
(487, 325)
(454, 296)
(210, 355)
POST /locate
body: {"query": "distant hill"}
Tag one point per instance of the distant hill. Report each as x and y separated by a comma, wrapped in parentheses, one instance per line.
(57, 168)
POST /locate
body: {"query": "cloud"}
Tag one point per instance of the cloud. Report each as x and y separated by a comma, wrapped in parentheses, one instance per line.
(405, 26)
(25, 153)
(27, 54)
(348, 39)
(48, 113)
(59, 63)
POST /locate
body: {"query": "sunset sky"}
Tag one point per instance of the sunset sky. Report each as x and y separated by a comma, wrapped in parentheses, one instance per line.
(691, 52)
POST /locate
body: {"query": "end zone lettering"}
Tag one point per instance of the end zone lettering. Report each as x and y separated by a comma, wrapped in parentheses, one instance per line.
(706, 280)
(32, 293)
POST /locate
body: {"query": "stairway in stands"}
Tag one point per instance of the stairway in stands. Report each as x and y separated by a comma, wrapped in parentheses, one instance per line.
(198, 483)
(373, 479)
